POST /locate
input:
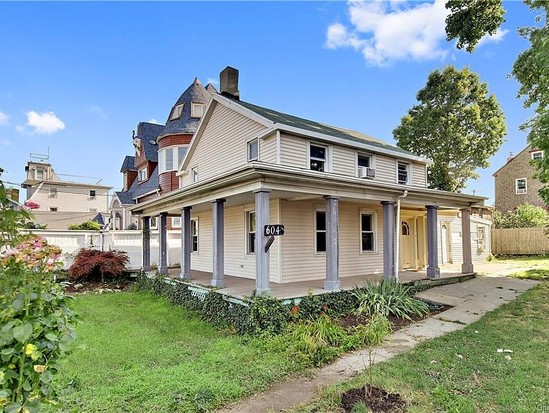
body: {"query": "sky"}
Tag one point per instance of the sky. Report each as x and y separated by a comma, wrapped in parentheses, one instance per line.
(77, 77)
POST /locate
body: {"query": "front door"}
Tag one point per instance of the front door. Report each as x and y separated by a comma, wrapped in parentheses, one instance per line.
(446, 243)
(406, 245)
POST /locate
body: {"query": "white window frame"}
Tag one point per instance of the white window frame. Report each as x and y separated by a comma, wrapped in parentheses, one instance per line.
(250, 144)
(250, 246)
(36, 173)
(481, 239)
(520, 191)
(373, 214)
(318, 231)
(533, 155)
(176, 222)
(194, 234)
(154, 222)
(177, 111)
(408, 172)
(52, 193)
(197, 109)
(327, 157)
(142, 175)
(194, 174)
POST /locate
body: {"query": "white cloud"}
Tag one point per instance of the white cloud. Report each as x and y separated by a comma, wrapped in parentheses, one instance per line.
(45, 123)
(4, 118)
(6, 142)
(495, 38)
(388, 31)
(213, 81)
(153, 120)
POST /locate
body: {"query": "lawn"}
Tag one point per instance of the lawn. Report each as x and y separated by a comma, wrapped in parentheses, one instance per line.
(463, 371)
(141, 354)
(539, 266)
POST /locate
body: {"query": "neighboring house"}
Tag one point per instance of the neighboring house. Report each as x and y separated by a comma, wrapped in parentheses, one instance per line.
(159, 150)
(336, 192)
(63, 201)
(514, 182)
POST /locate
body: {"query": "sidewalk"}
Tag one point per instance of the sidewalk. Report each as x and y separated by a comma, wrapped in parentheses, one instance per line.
(471, 300)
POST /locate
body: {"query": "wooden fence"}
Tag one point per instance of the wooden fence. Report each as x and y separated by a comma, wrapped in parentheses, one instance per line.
(520, 241)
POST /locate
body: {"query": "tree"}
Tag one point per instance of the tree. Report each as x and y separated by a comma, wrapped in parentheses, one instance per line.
(470, 20)
(456, 124)
(524, 216)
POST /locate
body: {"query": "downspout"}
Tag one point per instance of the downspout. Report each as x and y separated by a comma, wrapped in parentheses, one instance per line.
(398, 229)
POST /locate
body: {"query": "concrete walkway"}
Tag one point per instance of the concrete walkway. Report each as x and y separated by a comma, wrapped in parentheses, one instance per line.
(471, 300)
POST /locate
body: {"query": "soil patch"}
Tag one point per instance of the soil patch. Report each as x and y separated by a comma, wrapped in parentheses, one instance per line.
(98, 287)
(377, 400)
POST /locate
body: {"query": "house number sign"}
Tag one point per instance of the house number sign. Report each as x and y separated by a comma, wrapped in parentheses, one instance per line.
(273, 230)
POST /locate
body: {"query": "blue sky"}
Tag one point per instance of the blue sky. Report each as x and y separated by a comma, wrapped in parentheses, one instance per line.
(77, 77)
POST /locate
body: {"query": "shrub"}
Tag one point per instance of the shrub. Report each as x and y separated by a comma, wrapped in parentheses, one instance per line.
(87, 226)
(524, 216)
(132, 227)
(388, 297)
(91, 263)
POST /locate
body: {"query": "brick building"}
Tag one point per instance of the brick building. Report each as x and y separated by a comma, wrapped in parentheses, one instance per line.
(514, 182)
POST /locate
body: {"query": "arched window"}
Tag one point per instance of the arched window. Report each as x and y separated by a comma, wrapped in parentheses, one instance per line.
(405, 228)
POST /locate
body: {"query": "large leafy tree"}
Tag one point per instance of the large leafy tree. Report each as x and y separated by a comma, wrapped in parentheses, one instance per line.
(456, 123)
(469, 20)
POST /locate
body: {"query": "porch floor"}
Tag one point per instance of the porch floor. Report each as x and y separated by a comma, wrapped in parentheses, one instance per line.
(243, 287)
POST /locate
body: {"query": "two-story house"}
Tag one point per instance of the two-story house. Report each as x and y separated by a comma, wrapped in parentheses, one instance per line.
(61, 202)
(515, 183)
(350, 204)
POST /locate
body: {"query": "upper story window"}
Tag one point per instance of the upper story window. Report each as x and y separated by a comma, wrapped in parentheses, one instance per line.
(176, 222)
(521, 186)
(364, 160)
(403, 173)
(92, 194)
(169, 159)
(177, 111)
(142, 175)
(318, 157)
(537, 155)
(250, 230)
(365, 166)
(197, 110)
(194, 174)
(53, 193)
(253, 150)
(367, 232)
(39, 174)
(320, 231)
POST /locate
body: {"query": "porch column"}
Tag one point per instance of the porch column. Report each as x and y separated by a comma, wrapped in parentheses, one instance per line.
(467, 265)
(163, 243)
(332, 244)
(218, 276)
(262, 268)
(388, 240)
(432, 246)
(146, 244)
(186, 243)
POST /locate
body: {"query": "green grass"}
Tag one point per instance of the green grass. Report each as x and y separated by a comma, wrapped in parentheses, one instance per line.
(142, 354)
(539, 266)
(432, 378)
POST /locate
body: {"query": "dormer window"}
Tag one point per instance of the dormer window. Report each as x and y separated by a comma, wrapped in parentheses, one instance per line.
(177, 111)
(197, 110)
(317, 157)
(403, 173)
(39, 174)
(253, 150)
(142, 175)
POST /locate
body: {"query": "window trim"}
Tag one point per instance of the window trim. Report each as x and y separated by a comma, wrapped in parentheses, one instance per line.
(317, 231)
(481, 242)
(197, 229)
(408, 172)
(535, 153)
(249, 245)
(194, 106)
(327, 159)
(249, 145)
(177, 111)
(153, 222)
(362, 154)
(194, 174)
(36, 174)
(374, 230)
(52, 193)
(174, 225)
(517, 186)
(142, 175)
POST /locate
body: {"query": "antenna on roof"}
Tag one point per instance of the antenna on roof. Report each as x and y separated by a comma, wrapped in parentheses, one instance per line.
(41, 157)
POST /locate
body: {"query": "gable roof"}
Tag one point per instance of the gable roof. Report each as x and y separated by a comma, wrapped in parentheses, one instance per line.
(128, 164)
(148, 132)
(125, 197)
(511, 158)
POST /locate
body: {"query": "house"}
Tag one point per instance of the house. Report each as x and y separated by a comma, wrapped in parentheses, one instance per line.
(514, 181)
(159, 150)
(56, 201)
(349, 204)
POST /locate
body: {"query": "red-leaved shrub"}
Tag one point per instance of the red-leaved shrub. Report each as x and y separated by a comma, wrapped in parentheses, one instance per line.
(92, 264)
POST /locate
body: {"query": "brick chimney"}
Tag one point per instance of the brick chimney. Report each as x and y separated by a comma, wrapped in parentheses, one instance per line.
(228, 81)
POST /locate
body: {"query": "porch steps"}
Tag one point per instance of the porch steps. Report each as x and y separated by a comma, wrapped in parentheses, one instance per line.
(426, 283)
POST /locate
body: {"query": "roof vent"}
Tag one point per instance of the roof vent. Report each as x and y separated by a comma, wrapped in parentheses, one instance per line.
(228, 80)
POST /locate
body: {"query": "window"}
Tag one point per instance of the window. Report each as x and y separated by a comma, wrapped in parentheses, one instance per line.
(154, 223)
(364, 160)
(481, 239)
(537, 155)
(169, 159)
(521, 186)
(177, 111)
(181, 151)
(92, 193)
(53, 193)
(250, 229)
(317, 157)
(39, 174)
(176, 222)
(194, 235)
(194, 174)
(53, 209)
(197, 110)
(367, 232)
(402, 172)
(320, 231)
(404, 228)
(142, 175)
(253, 150)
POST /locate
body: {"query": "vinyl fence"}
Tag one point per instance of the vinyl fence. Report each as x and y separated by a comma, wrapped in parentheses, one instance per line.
(128, 241)
(520, 241)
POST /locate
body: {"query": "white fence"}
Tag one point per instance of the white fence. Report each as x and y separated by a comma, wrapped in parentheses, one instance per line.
(128, 241)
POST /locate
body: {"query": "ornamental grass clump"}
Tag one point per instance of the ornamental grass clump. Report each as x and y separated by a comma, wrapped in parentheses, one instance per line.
(36, 328)
(389, 298)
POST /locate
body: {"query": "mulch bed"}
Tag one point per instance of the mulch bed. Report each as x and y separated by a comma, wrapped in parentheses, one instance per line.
(378, 400)
(98, 287)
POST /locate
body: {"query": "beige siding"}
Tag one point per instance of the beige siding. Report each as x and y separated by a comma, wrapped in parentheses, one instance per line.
(71, 199)
(267, 149)
(419, 175)
(344, 160)
(385, 169)
(226, 135)
(293, 151)
(301, 262)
